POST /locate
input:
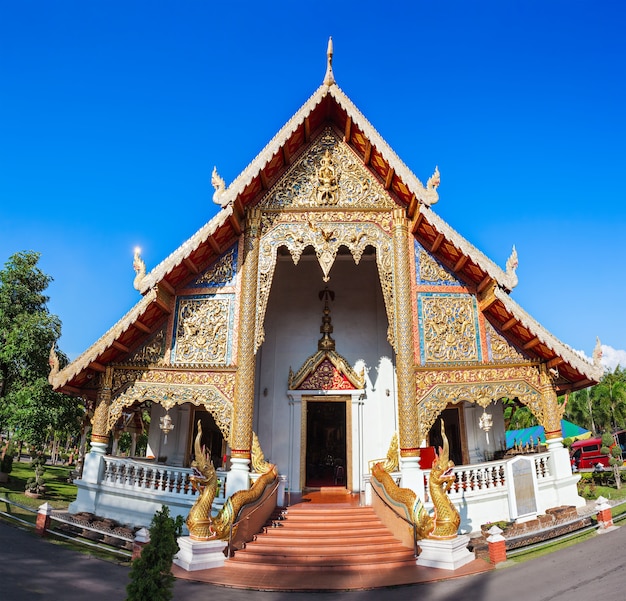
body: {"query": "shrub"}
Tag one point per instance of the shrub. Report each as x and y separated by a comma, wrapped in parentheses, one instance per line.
(151, 577)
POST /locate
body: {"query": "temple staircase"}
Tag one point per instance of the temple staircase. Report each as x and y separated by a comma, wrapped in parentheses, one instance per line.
(325, 537)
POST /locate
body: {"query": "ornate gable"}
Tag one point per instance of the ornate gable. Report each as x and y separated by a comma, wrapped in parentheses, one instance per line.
(330, 175)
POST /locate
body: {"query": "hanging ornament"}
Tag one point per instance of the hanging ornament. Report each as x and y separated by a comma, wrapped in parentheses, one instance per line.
(166, 425)
(485, 423)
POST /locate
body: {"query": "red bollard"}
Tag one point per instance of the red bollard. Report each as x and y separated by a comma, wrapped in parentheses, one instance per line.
(497, 545)
(43, 519)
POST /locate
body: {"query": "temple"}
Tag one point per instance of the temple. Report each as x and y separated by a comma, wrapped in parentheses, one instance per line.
(328, 310)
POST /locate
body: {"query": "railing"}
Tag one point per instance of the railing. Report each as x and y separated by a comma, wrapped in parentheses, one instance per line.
(132, 475)
(473, 480)
(397, 514)
(252, 519)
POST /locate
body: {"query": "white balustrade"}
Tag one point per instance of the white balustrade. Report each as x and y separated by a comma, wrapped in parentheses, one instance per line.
(154, 479)
(474, 480)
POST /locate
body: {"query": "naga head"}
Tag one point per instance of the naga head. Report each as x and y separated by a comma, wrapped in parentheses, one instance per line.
(202, 464)
(442, 470)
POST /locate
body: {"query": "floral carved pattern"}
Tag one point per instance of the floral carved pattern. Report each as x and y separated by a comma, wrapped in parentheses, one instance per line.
(449, 329)
(500, 350)
(153, 351)
(326, 377)
(221, 273)
(431, 271)
(202, 330)
(169, 395)
(329, 173)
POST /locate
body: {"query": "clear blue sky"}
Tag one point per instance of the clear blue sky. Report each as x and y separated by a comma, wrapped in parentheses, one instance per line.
(112, 115)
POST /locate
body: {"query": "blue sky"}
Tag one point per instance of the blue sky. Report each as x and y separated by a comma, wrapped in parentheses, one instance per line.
(112, 115)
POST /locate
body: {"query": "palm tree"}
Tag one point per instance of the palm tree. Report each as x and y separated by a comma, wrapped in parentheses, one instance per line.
(609, 400)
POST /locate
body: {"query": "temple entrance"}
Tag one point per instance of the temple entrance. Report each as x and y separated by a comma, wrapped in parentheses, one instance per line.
(326, 443)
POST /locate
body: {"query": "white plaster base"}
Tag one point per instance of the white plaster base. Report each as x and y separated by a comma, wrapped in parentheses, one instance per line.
(445, 554)
(200, 554)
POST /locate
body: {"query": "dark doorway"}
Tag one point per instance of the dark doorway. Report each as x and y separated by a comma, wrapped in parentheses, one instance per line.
(326, 444)
(453, 434)
(212, 438)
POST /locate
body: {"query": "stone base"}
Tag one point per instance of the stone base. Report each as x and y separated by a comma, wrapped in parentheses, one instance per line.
(200, 554)
(445, 554)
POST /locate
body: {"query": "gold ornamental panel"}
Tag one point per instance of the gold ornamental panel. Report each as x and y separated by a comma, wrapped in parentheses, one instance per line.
(203, 327)
(152, 352)
(431, 271)
(450, 328)
(526, 382)
(500, 349)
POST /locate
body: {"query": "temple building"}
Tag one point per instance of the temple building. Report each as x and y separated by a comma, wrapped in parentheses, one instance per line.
(328, 310)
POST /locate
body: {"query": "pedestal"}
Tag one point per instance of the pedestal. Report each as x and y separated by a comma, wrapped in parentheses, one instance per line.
(444, 554)
(200, 554)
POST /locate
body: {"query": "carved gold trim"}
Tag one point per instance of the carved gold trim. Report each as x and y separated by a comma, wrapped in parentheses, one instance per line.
(310, 366)
(169, 395)
(325, 237)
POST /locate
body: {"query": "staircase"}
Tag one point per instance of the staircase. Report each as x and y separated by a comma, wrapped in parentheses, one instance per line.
(328, 537)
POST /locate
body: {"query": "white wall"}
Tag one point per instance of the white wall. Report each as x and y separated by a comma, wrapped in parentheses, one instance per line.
(292, 330)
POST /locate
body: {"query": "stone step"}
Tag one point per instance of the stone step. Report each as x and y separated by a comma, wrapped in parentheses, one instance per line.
(325, 536)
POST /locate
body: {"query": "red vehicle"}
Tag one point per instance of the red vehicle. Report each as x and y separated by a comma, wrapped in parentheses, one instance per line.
(586, 454)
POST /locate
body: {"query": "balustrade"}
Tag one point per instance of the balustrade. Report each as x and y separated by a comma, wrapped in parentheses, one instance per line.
(472, 480)
(153, 479)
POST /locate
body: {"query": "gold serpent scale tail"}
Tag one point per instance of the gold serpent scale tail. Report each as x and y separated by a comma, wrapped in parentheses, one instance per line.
(445, 521)
(199, 521)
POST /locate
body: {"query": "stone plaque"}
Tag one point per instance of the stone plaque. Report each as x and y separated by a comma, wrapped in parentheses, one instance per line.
(522, 487)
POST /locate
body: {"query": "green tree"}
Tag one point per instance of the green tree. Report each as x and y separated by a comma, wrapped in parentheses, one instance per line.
(580, 409)
(28, 406)
(609, 400)
(151, 577)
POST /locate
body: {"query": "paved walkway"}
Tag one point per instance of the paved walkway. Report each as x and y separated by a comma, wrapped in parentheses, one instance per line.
(34, 569)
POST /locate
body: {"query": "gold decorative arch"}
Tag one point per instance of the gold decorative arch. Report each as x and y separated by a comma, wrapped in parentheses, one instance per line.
(169, 395)
(355, 231)
(437, 389)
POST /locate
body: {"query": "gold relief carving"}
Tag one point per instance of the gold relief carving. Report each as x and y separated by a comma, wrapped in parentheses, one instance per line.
(436, 389)
(202, 332)
(304, 184)
(327, 187)
(431, 271)
(552, 410)
(449, 328)
(325, 236)
(153, 351)
(222, 271)
(169, 395)
(501, 350)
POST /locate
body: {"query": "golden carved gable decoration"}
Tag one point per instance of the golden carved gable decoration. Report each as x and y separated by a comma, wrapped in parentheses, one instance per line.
(500, 350)
(431, 271)
(326, 370)
(329, 174)
(151, 352)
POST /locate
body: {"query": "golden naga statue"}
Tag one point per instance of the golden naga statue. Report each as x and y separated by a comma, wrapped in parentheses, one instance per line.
(445, 521)
(446, 517)
(199, 521)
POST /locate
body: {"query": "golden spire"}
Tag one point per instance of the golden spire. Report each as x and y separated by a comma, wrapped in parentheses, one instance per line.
(329, 78)
(326, 342)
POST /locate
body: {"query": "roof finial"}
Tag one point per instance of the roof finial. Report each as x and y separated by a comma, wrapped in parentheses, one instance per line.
(329, 78)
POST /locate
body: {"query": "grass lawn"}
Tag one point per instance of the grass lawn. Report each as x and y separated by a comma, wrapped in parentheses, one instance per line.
(59, 492)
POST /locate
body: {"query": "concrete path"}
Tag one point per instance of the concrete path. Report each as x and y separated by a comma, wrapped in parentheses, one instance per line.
(33, 569)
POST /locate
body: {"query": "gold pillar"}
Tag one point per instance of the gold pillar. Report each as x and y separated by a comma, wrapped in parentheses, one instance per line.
(407, 410)
(99, 423)
(552, 411)
(243, 405)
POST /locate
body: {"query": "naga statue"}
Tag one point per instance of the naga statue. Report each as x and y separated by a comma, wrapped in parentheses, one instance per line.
(445, 520)
(201, 525)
